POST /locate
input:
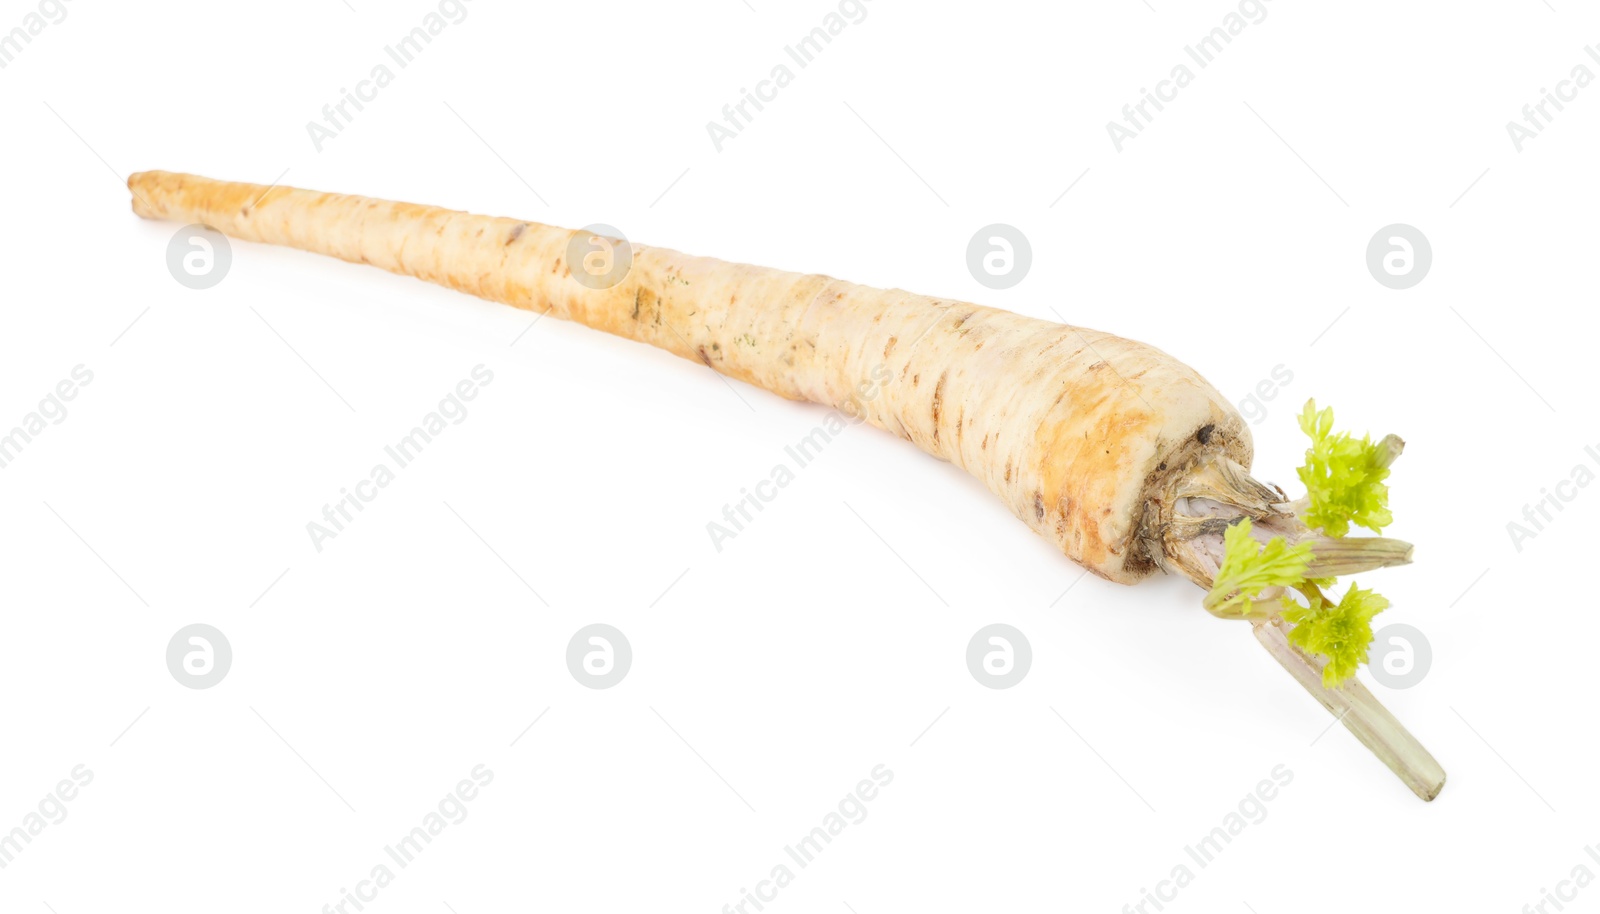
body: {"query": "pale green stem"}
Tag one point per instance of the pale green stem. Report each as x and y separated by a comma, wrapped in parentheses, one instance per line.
(1359, 711)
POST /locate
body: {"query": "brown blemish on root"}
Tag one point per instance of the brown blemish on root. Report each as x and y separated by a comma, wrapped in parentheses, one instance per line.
(938, 404)
(1204, 434)
(516, 232)
(889, 346)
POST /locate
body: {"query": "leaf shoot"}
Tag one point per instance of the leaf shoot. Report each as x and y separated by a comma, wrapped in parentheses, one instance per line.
(1343, 477)
(1248, 568)
(1340, 632)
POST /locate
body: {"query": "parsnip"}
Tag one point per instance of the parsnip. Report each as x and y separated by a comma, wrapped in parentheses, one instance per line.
(1103, 445)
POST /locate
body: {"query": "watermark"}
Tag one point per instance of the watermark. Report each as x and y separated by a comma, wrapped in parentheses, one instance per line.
(198, 256)
(736, 115)
(1566, 890)
(1537, 114)
(1399, 255)
(599, 256)
(999, 255)
(1542, 513)
(599, 656)
(1137, 115)
(1400, 656)
(851, 810)
(999, 656)
(52, 410)
(452, 810)
(452, 410)
(1254, 406)
(336, 115)
(199, 656)
(1252, 810)
(738, 515)
(44, 15)
(52, 810)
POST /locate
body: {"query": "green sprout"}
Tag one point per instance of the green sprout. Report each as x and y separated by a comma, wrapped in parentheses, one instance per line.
(1344, 476)
(1249, 567)
(1341, 633)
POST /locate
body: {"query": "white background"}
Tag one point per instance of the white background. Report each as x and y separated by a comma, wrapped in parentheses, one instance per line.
(770, 677)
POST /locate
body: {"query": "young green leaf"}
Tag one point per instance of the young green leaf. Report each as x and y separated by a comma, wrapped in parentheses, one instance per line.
(1248, 567)
(1341, 633)
(1343, 477)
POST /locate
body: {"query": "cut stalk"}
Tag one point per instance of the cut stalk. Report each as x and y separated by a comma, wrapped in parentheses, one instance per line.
(1360, 712)
(1336, 557)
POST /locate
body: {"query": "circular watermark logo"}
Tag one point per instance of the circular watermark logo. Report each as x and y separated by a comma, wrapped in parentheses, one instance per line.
(599, 656)
(998, 256)
(1400, 656)
(1399, 256)
(198, 257)
(199, 656)
(599, 256)
(999, 656)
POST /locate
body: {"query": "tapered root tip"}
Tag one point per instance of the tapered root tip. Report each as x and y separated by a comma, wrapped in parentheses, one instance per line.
(133, 194)
(142, 186)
